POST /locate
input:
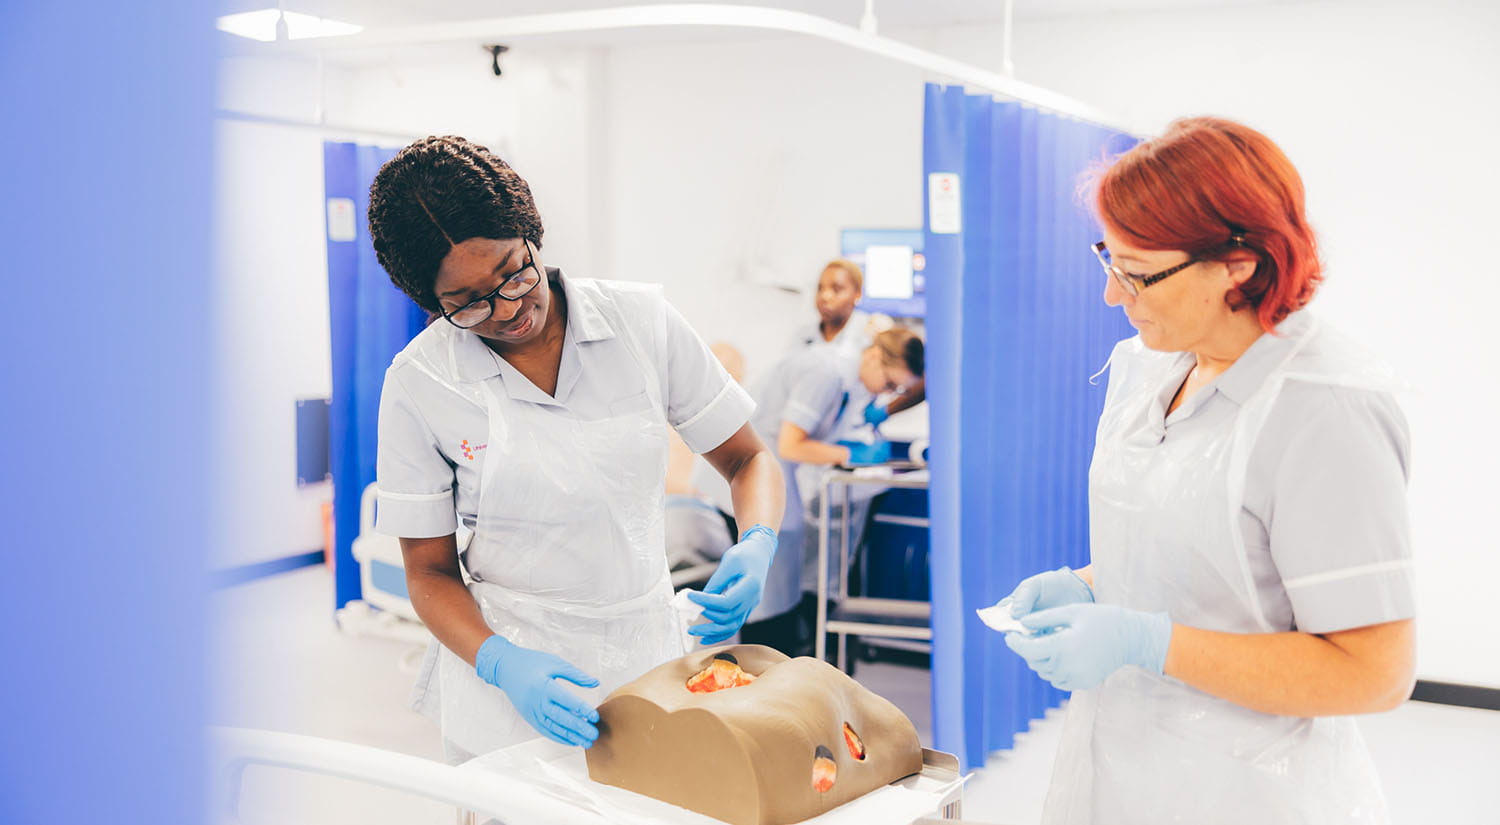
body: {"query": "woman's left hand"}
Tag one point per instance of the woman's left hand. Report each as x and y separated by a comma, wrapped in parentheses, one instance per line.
(1077, 646)
(736, 586)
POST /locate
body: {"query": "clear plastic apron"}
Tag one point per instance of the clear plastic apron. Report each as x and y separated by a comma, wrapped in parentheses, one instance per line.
(1143, 748)
(568, 555)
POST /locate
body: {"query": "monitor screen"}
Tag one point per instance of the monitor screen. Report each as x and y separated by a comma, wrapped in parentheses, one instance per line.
(892, 262)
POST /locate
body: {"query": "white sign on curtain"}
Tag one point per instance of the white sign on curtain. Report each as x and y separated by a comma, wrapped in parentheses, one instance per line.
(944, 207)
(340, 219)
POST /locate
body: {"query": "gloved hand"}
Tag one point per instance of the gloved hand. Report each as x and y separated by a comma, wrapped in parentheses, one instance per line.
(1054, 588)
(1077, 646)
(862, 453)
(532, 681)
(735, 587)
(876, 414)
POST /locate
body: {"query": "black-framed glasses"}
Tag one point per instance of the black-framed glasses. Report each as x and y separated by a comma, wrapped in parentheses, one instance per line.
(1132, 283)
(513, 287)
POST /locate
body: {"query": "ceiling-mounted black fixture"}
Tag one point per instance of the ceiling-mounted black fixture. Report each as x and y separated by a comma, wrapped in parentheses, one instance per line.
(495, 52)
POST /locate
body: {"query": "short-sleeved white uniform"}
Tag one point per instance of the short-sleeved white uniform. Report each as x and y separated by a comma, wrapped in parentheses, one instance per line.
(1324, 517)
(1271, 500)
(432, 440)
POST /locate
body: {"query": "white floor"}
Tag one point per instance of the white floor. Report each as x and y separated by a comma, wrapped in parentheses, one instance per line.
(285, 666)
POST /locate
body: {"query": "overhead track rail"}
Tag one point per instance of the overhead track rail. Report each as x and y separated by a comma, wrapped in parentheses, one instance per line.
(727, 16)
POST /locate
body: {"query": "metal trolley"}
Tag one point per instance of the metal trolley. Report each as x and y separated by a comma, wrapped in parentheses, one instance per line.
(893, 619)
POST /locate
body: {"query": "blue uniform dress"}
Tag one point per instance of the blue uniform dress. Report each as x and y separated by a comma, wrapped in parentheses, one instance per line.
(813, 388)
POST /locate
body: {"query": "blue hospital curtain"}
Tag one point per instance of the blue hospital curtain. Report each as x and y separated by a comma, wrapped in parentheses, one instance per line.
(370, 320)
(1016, 325)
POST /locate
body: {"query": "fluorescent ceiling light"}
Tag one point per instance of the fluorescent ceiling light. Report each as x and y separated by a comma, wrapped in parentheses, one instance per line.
(261, 25)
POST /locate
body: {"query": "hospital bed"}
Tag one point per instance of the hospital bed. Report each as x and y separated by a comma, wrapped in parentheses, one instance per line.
(382, 575)
(384, 607)
(542, 782)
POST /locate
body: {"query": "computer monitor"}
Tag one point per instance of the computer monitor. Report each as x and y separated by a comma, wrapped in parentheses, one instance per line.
(893, 265)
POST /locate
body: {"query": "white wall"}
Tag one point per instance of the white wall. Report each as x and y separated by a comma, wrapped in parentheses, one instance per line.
(539, 117)
(272, 314)
(1388, 110)
(733, 166)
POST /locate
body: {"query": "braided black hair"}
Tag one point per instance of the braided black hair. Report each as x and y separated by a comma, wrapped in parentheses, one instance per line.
(438, 193)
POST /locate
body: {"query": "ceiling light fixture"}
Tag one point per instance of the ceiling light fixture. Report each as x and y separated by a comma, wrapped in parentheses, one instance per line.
(262, 25)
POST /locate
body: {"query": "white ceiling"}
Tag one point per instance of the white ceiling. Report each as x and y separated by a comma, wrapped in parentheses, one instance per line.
(394, 13)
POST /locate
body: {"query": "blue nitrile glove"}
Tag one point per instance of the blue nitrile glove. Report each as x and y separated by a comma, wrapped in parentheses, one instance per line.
(533, 681)
(876, 414)
(1053, 588)
(862, 453)
(735, 587)
(1077, 646)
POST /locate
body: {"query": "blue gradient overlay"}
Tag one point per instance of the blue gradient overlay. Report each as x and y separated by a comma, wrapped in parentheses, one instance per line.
(105, 215)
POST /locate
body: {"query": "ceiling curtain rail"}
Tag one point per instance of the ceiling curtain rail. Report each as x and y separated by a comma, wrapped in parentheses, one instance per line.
(726, 16)
(323, 128)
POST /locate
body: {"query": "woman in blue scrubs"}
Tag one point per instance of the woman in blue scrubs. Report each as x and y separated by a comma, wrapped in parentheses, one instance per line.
(810, 406)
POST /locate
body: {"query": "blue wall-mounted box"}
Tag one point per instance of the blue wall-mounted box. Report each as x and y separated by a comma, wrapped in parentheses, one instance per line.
(312, 441)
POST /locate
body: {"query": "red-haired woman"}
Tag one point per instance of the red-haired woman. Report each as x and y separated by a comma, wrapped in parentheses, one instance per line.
(1250, 578)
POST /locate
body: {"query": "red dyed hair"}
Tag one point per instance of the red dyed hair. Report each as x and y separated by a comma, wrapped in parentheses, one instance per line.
(1202, 181)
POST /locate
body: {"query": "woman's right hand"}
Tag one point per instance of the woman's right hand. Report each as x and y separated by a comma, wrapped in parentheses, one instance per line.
(1053, 588)
(532, 679)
